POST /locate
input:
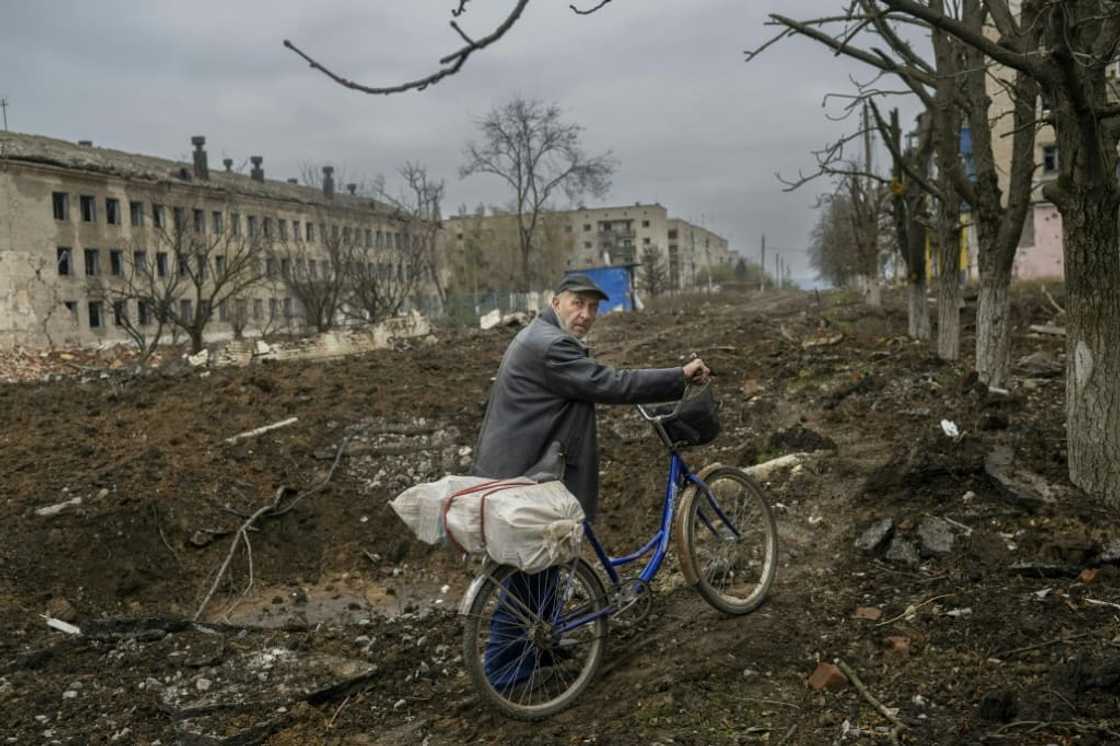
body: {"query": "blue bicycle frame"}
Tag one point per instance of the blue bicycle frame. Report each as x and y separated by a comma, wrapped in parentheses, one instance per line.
(657, 547)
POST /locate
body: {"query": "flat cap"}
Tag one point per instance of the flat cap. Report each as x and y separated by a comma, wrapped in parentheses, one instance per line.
(577, 283)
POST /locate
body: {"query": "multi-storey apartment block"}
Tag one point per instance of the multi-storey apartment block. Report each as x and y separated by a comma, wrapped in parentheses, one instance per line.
(589, 237)
(82, 226)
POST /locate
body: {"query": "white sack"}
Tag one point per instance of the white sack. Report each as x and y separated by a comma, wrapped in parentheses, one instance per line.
(530, 526)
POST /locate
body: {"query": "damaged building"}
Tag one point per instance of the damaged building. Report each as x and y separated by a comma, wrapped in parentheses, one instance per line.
(95, 242)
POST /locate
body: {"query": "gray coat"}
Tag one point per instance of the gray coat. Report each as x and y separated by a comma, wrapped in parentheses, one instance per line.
(545, 394)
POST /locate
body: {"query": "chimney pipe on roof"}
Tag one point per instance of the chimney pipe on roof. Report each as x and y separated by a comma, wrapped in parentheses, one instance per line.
(228, 163)
(352, 188)
(87, 143)
(328, 181)
(257, 172)
(201, 167)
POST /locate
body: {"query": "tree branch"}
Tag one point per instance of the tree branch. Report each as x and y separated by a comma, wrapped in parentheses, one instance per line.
(589, 11)
(451, 63)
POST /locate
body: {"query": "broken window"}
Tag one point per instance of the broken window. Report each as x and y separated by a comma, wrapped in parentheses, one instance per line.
(645, 241)
(203, 264)
(235, 223)
(64, 258)
(216, 222)
(161, 263)
(219, 265)
(273, 308)
(346, 235)
(334, 232)
(222, 314)
(287, 308)
(252, 226)
(112, 211)
(673, 234)
(258, 309)
(241, 310)
(296, 234)
(586, 227)
(157, 216)
(285, 267)
(270, 266)
(95, 314)
(93, 262)
(140, 261)
(60, 202)
(88, 207)
(369, 238)
(179, 218)
(645, 223)
(266, 227)
(143, 313)
(184, 264)
(282, 225)
(120, 313)
(310, 231)
(116, 262)
(199, 221)
(1049, 159)
(136, 213)
(186, 310)
(72, 307)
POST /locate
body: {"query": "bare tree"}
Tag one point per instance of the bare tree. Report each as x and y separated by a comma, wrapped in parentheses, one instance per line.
(143, 298)
(419, 210)
(527, 144)
(319, 280)
(653, 276)
(382, 277)
(211, 268)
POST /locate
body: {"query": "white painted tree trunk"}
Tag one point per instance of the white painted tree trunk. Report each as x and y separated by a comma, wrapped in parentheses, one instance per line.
(993, 330)
(919, 310)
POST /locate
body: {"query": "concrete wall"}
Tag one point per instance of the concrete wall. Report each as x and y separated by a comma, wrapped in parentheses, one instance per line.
(34, 295)
(1043, 258)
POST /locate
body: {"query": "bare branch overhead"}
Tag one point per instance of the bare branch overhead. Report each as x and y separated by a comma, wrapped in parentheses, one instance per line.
(451, 63)
(589, 11)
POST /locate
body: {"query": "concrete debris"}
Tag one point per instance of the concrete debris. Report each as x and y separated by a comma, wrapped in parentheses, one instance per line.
(1019, 485)
(875, 535)
(199, 360)
(1040, 364)
(62, 626)
(766, 470)
(936, 536)
(262, 430)
(490, 320)
(903, 552)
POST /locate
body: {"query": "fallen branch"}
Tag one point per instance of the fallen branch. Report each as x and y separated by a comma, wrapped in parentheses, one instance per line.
(1095, 602)
(1061, 311)
(912, 609)
(1048, 643)
(272, 509)
(1055, 331)
(260, 430)
(862, 689)
(159, 527)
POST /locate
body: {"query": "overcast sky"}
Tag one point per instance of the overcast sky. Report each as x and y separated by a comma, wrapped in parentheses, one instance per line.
(660, 83)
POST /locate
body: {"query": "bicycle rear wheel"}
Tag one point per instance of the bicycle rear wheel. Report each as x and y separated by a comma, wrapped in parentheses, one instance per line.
(730, 540)
(516, 652)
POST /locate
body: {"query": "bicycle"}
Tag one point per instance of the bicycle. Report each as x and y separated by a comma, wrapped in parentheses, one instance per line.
(533, 643)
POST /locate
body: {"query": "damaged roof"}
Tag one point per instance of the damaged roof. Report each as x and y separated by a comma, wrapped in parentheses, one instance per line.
(16, 146)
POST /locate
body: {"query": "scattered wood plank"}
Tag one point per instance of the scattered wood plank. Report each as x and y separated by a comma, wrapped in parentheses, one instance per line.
(261, 430)
(1055, 331)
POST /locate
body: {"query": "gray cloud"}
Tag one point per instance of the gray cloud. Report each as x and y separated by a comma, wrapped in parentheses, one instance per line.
(660, 83)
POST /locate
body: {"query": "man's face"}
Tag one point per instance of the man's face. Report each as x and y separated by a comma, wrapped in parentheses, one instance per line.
(576, 311)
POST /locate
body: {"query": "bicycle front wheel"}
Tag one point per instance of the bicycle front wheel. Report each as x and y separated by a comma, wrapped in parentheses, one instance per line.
(730, 540)
(532, 643)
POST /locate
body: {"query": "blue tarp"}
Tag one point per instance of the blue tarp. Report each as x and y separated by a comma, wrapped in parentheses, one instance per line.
(616, 282)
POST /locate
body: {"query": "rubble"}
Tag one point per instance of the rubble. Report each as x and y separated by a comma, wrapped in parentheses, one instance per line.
(875, 535)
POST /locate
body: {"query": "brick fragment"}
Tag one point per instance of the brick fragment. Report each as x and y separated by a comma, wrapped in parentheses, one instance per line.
(898, 645)
(869, 613)
(827, 676)
(1088, 575)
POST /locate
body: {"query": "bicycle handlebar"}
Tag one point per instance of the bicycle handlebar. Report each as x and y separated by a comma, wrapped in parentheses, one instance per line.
(658, 418)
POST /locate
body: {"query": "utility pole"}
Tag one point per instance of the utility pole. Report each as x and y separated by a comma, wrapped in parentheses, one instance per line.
(762, 267)
(4, 109)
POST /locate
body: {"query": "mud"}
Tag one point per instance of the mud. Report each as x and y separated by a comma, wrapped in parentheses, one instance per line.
(344, 631)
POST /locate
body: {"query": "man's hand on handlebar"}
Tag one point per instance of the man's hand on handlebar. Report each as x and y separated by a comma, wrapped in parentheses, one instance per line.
(696, 373)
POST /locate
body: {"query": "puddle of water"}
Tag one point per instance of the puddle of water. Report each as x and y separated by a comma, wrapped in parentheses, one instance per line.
(342, 600)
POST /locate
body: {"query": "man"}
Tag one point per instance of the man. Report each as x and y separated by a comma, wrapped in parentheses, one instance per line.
(543, 400)
(541, 423)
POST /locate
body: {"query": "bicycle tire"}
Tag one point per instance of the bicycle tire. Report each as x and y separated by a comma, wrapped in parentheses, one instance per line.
(733, 550)
(546, 688)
